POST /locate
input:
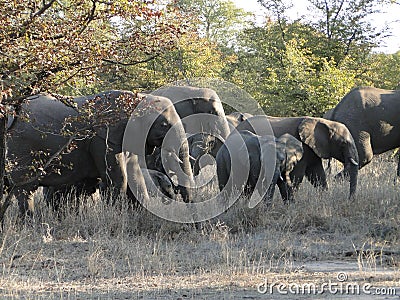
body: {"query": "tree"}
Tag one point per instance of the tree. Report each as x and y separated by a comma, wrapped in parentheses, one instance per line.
(382, 71)
(218, 20)
(48, 45)
(283, 74)
(345, 26)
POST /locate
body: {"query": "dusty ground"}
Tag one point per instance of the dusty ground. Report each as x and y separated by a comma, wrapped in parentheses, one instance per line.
(322, 241)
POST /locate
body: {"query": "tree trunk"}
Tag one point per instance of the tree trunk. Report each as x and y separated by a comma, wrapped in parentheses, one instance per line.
(7, 201)
(3, 133)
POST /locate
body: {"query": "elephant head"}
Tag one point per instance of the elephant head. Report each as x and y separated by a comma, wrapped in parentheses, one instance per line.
(201, 144)
(235, 118)
(189, 101)
(157, 124)
(291, 150)
(331, 139)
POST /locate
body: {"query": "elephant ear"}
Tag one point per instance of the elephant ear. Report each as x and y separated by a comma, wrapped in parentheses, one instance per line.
(316, 135)
(114, 133)
(292, 148)
(138, 127)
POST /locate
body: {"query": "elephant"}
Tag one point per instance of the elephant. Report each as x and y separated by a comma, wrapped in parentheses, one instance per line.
(235, 118)
(372, 117)
(242, 148)
(289, 151)
(202, 115)
(201, 144)
(161, 181)
(322, 139)
(292, 150)
(191, 101)
(90, 139)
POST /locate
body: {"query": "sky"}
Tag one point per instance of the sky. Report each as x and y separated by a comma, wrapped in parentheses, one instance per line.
(391, 17)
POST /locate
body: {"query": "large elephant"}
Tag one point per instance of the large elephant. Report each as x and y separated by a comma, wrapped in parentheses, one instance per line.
(189, 101)
(107, 147)
(321, 139)
(253, 155)
(372, 116)
(201, 111)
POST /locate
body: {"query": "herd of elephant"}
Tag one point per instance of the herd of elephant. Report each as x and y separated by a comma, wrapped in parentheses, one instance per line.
(132, 149)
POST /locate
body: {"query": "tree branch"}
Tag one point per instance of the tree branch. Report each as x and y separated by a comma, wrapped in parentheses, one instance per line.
(26, 24)
(131, 63)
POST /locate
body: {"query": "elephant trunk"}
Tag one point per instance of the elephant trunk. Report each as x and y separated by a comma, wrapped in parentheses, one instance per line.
(196, 152)
(225, 131)
(187, 181)
(352, 167)
(175, 159)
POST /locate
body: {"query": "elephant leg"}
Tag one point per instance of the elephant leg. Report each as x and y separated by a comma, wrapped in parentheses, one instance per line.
(52, 197)
(283, 190)
(267, 199)
(111, 168)
(287, 191)
(316, 175)
(25, 200)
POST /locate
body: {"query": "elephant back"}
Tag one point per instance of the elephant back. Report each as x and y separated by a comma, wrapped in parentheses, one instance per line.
(44, 112)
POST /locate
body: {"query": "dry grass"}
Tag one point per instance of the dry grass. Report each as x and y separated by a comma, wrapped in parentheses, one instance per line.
(105, 252)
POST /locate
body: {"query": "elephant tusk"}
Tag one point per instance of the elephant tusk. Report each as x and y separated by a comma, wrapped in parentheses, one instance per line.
(174, 156)
(192, 158)
(353, 161)
(218, 136)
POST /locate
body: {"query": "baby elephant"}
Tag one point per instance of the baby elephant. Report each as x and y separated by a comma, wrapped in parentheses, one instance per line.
(291, 149)
(162, 182)
(260, 153)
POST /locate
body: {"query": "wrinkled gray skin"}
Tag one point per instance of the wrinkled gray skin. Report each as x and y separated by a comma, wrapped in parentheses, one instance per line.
(260, 149)
(154, 162)
(201, 144)
(322, 139)
(96, 157)
(236, 118)
(372, 117)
